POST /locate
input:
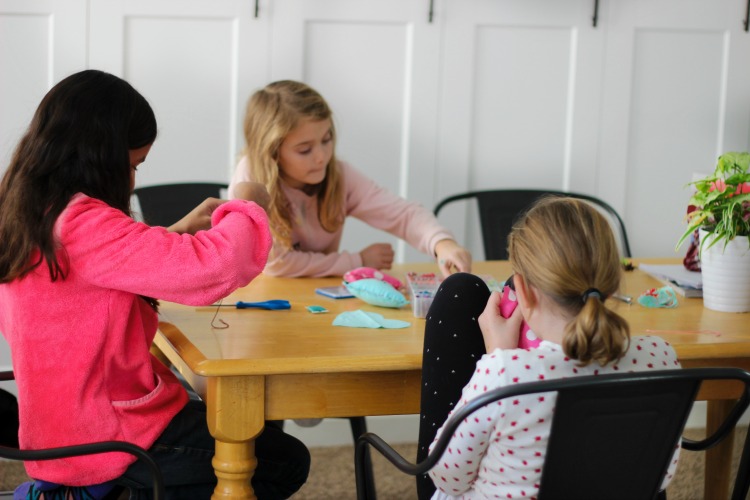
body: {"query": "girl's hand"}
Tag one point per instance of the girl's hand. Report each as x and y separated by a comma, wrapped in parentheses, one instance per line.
(253, 191)
(198, 219)
(377, 255)
(498, 332)
(452, 257)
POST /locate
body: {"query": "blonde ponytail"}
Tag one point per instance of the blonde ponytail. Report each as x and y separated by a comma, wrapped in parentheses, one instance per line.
(596, 334)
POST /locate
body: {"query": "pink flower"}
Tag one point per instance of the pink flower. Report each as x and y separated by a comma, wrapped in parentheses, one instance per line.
(721, 186)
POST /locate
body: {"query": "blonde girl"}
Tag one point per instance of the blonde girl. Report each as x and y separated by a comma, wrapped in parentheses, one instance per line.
(566, 265)
(290, 149)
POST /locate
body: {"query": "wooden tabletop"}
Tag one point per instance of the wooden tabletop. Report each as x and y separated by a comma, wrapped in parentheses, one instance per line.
(261, 342)
(271, 365)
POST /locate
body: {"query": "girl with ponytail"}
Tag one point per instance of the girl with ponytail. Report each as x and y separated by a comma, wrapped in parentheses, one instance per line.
(566, 264)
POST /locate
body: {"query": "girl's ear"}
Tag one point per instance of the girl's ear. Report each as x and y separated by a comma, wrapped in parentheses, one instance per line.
(525, 294)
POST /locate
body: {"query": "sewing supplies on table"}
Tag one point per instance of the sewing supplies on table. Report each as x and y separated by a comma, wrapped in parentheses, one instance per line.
(335, 292)
(623, 298)
(272, 305)
(658, 297)
(317, 309)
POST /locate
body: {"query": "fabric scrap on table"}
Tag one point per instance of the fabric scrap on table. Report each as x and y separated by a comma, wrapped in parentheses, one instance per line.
(366, 319)
(659, 297)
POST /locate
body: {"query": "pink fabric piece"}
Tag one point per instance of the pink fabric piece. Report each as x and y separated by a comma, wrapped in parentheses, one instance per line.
(80, 346)
(361, 273)
(508, 303)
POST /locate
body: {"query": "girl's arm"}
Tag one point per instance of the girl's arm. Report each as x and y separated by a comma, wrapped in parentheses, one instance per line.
(295, 264)
(383, 210)
(199, 218)
(410, 221)
(108, 249)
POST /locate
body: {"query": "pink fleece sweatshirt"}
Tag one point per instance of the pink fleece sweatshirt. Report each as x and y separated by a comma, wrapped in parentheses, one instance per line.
(80, 346)
(315, 251)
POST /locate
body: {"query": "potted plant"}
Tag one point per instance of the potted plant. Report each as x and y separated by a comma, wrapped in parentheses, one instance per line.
(720, 210)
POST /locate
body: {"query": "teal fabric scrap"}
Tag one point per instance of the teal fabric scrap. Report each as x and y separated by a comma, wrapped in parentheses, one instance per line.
(658, 297)
(365, 319)
(377, 293)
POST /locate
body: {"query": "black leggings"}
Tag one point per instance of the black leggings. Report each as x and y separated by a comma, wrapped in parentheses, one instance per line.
(453, 344)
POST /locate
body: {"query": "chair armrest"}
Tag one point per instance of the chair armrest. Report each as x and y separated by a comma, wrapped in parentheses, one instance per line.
(91, 449)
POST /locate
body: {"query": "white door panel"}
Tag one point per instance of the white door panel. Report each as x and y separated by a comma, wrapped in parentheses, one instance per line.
(672, 104)
(520, 97)
(196, 63)
(41, 43)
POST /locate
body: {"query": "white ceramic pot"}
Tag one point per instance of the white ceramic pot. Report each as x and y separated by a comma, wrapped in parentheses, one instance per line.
(726, 274)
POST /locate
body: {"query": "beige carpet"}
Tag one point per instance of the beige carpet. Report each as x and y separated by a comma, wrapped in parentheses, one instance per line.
(332, 474)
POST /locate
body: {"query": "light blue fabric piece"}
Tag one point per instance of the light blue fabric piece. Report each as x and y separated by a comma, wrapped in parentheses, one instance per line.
(659, 297)
(377, 293)
(366, 319)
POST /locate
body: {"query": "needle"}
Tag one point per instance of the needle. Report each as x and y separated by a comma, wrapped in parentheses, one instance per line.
(623, 298)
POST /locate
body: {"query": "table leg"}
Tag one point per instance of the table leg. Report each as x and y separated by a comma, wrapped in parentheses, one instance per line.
(234, 464)
(718, 458)
(235, 418)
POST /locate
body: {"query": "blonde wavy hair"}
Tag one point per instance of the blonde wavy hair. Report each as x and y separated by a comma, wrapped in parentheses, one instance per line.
(565, 247)
(271, 114)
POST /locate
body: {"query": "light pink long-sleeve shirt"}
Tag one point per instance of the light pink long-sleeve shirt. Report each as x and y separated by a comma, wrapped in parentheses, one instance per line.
(315, 251)
(80, 346)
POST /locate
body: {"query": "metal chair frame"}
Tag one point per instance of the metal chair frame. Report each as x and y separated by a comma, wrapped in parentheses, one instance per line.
(87, 449)
(500, 208)
(556, 479)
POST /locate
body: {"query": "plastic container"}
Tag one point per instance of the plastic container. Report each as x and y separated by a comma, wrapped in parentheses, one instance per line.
(422, 288)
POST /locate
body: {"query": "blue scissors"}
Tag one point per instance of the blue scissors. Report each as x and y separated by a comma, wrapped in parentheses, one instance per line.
(273, 305)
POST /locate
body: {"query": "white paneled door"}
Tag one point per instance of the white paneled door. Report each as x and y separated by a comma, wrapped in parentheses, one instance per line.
(520, 99)
(41, 42)
(676, 96)
(196, 62)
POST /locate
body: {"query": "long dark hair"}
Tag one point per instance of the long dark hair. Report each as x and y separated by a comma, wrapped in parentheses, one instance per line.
(78, 142)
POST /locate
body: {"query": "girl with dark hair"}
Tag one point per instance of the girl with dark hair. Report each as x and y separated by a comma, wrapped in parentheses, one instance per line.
(77, 281)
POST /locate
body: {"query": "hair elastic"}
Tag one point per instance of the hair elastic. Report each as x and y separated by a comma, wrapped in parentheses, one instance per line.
(592, 291)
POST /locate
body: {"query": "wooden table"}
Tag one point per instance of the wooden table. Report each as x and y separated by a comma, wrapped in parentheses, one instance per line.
(273, 365)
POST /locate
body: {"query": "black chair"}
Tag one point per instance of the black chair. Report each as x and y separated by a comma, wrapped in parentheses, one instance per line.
(165, 204)
(499, 209)
(602, 442)
(10, 453)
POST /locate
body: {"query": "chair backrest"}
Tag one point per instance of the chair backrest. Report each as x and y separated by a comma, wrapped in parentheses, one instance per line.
(499, 209)
(165, 204)
(612, 436)
(631, 428)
